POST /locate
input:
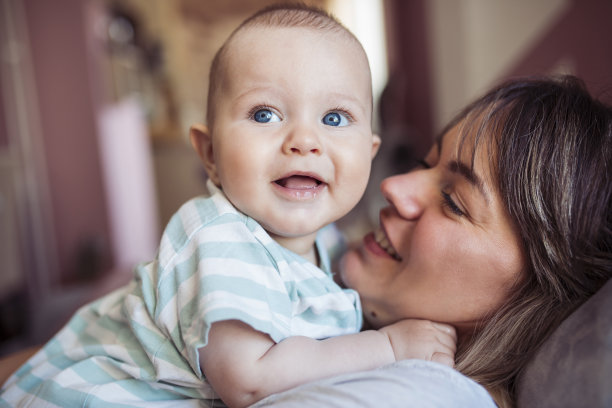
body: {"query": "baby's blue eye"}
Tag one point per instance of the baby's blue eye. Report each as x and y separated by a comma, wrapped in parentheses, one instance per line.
(335, 119)
(265, 116)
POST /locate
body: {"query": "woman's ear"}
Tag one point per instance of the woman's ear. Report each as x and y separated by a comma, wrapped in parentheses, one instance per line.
(201, 140)
(375, 144)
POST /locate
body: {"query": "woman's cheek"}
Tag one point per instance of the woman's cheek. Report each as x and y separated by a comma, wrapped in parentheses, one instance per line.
(348, 268)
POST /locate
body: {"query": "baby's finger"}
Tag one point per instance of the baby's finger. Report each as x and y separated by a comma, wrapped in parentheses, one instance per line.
(444, 348)
(446, 328)
(443, 358)
(446, 335)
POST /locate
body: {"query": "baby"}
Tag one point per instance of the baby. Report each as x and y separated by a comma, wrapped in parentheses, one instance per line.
(240, 302)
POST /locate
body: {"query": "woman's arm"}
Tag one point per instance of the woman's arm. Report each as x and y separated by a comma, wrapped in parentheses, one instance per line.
(244, 365)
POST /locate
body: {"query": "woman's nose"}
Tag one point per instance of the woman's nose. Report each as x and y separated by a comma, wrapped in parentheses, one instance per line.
(302, 140)
(409, 193)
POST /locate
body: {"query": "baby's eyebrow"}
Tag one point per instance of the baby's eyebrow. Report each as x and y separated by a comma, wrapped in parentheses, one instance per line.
(256, 89)
(352, 99)
(470, 176)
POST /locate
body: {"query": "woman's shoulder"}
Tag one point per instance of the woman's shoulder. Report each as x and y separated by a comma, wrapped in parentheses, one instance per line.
(405, 383)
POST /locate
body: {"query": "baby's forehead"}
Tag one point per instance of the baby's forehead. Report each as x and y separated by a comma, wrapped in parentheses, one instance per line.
(245, 34)
(241, 54)
(253, 37)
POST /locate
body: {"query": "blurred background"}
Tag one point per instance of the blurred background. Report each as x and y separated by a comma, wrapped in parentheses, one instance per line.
(97, 96)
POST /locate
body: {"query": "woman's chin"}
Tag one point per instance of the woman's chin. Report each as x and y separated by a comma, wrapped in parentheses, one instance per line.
(374, 320)
(349, 265)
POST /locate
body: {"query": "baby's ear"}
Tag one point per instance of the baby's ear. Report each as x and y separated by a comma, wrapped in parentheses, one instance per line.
(375, 144)
(201, 140)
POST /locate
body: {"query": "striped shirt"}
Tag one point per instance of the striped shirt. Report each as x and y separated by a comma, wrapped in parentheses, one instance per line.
(138, 346)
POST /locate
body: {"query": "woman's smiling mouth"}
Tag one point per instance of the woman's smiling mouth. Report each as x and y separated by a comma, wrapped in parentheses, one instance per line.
(383, 241)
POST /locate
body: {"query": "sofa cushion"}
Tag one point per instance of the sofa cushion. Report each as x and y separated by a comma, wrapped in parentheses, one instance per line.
(573, 368)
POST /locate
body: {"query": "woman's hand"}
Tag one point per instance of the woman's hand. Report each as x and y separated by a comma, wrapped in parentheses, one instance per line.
(422, 339)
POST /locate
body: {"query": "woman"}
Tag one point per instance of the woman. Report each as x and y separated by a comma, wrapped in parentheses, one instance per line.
(503, 230)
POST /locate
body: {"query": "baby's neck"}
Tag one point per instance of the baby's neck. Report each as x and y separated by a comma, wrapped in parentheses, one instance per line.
(303, 246)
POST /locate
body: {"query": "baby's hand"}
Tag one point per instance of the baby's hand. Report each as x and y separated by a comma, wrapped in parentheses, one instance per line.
(422, 339)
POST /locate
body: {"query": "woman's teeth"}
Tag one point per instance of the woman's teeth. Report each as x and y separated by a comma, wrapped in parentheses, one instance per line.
(383, 241)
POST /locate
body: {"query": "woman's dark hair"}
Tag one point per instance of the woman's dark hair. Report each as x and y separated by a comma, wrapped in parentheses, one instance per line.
(550, 147)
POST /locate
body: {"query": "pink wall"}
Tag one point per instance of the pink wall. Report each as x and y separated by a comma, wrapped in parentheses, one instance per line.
(58, 46)
(408, 96)
(3, 134)
(583, 35)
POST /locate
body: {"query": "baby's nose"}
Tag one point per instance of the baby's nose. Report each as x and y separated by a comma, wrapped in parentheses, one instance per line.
(302, 140)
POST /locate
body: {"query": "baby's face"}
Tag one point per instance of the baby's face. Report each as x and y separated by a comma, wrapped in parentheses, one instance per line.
(292, 139)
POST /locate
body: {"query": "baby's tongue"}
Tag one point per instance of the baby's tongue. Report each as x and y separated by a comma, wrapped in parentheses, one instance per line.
(299, 182)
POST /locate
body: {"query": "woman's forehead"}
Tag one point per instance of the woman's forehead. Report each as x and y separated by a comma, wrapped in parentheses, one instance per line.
(470, 144)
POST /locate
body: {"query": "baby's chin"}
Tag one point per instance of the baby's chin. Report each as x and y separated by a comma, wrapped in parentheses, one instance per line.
(296, 227)
(289, 232)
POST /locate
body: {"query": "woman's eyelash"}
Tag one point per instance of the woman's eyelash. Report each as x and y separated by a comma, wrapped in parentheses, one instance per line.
(447, 200)
(449, 203)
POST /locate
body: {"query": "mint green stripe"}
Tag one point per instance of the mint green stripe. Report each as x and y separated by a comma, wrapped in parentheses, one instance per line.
(77, 324)
(145, 288)
(52, 392)
(149, 339)
(29, 382)
(187, 269)
(314, 288)
(246, 288)
(323, 257)
(56, 355)
(3, 403)
(132, 345)
(23, 370)
(264, 326)
(92, 372)
(169, 353)
(206, 208)
(341, 319)
(277, 302)
(252, 253)
(147, 392)
(168, 285)
(63, 397)
(175, 233)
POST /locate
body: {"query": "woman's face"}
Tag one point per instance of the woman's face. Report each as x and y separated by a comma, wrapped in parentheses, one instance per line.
(446, 250)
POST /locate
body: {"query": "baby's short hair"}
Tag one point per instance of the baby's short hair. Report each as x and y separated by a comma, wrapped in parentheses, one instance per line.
(278, 15)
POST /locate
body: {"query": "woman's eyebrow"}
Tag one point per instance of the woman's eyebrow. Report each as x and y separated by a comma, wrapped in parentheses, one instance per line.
(470, 176)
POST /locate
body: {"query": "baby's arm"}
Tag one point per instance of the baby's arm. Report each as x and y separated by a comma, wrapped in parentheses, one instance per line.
(244, 365)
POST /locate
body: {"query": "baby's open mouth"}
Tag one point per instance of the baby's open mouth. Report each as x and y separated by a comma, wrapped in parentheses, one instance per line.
(299, 182)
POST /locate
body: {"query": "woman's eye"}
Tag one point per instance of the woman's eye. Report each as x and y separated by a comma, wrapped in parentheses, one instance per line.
(335, 119)
(265, 116)
(448, 202)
